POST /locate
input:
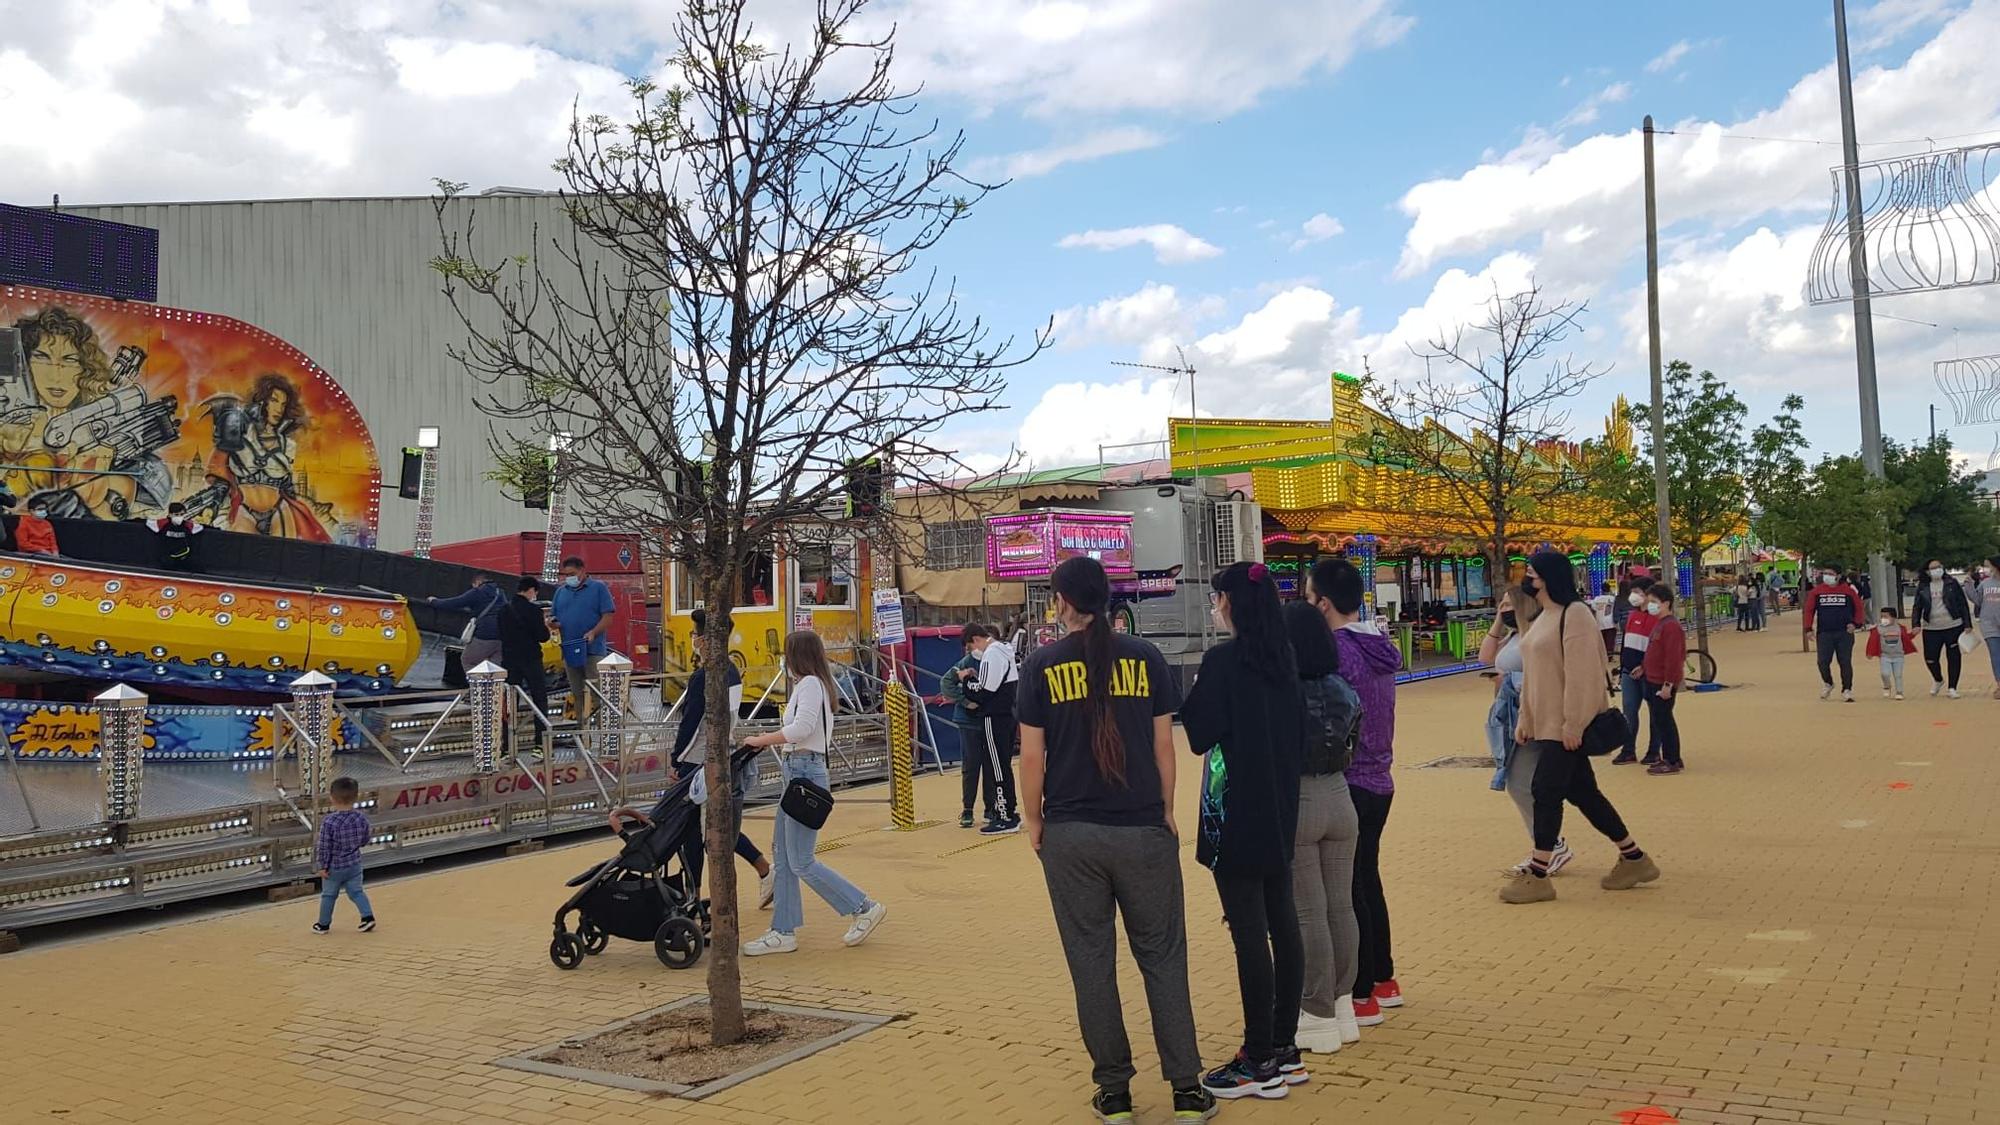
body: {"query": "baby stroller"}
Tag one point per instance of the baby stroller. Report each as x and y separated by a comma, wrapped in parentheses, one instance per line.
(644, 894)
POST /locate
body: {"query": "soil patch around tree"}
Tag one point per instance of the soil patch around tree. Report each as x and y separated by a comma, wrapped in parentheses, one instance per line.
(666, 1050)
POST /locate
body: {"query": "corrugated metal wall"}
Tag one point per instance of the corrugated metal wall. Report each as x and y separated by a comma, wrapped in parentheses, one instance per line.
(347, 282)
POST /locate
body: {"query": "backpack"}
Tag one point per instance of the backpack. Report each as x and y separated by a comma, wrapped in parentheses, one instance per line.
(1333, 724)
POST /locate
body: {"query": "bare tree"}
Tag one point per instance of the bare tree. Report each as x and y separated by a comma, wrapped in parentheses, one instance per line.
(1486, 422)
(733, 323)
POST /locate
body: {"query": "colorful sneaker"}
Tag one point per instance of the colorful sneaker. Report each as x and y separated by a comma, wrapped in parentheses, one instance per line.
(1389, 994)
(1558, 860)
(865, 923)
(772, 942)
(1343, 1010)
(1194, 1104)
(1367, 1013)
(965, 819)
(367, 925)
(1292, 1067)
(1240, 1078)
(1113, 1107)
(1319, 1034)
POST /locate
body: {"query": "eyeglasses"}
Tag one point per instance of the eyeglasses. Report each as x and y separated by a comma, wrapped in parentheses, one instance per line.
(1214, 597)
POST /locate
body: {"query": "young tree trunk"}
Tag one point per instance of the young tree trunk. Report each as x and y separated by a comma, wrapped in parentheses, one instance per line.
(1700, 606)
(725, 982)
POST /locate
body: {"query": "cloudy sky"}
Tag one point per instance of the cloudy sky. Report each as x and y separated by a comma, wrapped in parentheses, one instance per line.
(1280, 187)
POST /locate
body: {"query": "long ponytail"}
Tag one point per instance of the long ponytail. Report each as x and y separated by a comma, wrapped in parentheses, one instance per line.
(1083, 584)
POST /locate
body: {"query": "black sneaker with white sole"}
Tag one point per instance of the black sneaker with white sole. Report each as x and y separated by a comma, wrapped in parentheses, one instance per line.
(367, 925)
(319, 929)
(1112, 1106)
(1292, 1067)
(965, 819)
(1241, 1078)
(1000, 828)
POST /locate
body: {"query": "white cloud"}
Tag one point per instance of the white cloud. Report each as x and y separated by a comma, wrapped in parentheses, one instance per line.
(1073, 420)
(1944, 88)
(1171, 245)
(1668, 59)
(1589, 110)
(1154, 315)
(436, 68)
(1889, 20)
(1042, 161)
(1319, 228)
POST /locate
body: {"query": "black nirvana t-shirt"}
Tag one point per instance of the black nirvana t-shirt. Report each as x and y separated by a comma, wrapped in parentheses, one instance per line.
(1054, 688)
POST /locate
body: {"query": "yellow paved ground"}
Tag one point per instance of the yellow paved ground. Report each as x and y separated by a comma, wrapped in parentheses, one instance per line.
(1825, 947)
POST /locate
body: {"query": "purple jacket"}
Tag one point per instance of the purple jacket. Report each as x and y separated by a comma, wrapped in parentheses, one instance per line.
(1370, 661)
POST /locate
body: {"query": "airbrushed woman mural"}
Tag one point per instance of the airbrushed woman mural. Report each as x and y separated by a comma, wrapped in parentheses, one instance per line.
(94, 425)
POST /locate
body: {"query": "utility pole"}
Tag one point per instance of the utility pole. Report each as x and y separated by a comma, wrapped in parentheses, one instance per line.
(1934, 423)
(1659, 413)
(1857, 268)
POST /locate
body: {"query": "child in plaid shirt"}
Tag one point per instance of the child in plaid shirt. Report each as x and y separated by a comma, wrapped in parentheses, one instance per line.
(337, 855)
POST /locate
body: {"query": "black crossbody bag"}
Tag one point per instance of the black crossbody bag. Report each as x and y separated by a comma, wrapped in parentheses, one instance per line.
(805, 802)
(1607, 730)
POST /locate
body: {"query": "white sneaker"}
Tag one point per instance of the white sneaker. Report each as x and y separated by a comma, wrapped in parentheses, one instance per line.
(1826, 691)
(772, 942)
(1899, 695)
(1952, 694)
(1319, 1034)
(1935, 688)
(1343, 1013)
(1847, 697)
(1885, 693)
(865, 923)
(1560, 858)
(767, 889)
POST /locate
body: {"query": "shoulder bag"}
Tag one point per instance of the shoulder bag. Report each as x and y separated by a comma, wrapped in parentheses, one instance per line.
(806, 802)
(1606, 730)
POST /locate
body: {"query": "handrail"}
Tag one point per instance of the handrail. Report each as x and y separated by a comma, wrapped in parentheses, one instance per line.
(434, 727)
(21, 787)
(355, 721)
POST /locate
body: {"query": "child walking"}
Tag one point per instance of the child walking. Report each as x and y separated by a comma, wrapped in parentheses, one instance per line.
(1890, 643)
(337, 855)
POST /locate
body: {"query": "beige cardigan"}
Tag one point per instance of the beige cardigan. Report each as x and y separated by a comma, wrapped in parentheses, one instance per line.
(1562, 686)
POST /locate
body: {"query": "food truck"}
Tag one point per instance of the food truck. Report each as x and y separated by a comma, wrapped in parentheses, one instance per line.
(1028, 546)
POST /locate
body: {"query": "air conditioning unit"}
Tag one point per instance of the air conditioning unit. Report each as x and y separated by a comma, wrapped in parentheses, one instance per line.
(1239, 532)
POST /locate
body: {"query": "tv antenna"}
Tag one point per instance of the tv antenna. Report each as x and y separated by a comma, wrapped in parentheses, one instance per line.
(1184, 368)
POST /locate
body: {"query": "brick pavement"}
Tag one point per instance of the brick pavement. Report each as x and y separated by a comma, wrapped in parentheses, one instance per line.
(1822, 949)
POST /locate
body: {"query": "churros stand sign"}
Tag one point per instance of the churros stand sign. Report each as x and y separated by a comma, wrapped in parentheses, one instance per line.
(1026, 546)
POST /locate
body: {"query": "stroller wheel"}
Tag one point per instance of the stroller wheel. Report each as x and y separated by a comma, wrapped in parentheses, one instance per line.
(566, 951)
(678, 943)
(594, 937)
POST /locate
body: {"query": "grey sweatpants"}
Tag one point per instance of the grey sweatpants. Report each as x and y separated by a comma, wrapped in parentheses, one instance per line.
(1095, 872)
(1323, 889)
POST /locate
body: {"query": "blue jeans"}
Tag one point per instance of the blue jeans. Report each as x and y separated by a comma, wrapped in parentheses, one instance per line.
(793, 862)
(342, 879)
(1993, 654)
(1632, 693)
(1501, 719)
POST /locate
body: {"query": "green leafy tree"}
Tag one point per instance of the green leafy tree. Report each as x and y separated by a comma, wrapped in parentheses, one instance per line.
(1709, 464)
(1837, 513)
(1942, 518)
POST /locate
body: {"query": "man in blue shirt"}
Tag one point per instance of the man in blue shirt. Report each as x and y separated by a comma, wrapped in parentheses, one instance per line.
(582, 613)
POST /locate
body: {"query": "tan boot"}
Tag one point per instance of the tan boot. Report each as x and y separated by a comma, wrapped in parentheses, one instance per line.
(1525, 888)
(1629, 873)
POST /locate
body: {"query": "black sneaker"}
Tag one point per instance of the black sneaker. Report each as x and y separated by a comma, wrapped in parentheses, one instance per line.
(1292, 1067)
(1193, 1104)
(1000, 828)
(1113, 1106)
(1241, 1078)
(368, 925)
(1624, 760)
(319, 929)
(965, 819)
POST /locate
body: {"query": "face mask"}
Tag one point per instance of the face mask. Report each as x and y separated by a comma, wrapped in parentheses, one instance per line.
(41, 513)
(1826, 579)
(1530, 588)
(573, 580)
(1937, 572)
(1637, 599)
(1508, 619)
(1888, 622)
(1653, 608)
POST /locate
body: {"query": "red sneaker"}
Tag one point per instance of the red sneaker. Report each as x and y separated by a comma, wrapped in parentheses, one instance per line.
(1367, 1013)
(1388, 994)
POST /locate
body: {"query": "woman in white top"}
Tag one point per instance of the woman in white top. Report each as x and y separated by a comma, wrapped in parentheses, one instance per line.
(807, 729)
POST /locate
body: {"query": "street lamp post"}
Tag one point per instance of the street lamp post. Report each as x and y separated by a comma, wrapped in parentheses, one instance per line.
(427, 440)
(552, 539)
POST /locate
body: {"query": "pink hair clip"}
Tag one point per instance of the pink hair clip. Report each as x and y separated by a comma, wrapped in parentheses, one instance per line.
(1257, 572)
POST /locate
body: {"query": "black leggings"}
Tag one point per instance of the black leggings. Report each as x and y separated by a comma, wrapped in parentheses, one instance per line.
(1565, 775)
(1374, 960)
(1270, 958)
(1943, 642)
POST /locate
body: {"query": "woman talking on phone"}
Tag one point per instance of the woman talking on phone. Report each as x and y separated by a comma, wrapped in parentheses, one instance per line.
(803, 741)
